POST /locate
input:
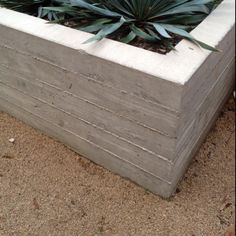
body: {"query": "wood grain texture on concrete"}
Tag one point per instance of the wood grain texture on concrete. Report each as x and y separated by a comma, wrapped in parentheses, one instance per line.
(142, 118)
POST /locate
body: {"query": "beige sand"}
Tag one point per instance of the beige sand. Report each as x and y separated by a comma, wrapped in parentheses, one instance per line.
(47, 189)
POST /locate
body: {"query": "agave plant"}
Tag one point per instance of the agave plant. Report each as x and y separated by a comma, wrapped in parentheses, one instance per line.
(151, 20)
(125, 20)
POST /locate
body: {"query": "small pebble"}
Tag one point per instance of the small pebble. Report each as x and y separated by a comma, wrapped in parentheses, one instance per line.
(11, 140)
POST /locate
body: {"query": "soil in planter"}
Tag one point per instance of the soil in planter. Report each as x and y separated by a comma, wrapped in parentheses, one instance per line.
(159, 47)
(162, 47)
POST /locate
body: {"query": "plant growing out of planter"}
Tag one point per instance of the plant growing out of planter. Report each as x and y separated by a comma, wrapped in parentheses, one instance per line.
(151, 20)
(125, 20)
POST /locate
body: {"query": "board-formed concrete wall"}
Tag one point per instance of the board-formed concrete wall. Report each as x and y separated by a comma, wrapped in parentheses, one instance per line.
(140, 114)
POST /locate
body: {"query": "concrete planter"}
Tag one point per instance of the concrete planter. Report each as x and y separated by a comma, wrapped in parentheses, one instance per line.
(138, 113)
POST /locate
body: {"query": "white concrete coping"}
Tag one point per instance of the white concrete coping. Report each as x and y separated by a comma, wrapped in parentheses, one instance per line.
(177, 66)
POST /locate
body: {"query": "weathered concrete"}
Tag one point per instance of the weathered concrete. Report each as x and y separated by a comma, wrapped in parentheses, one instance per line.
(135, 112)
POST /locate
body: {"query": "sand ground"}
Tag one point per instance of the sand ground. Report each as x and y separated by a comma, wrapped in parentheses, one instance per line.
(47, 189)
